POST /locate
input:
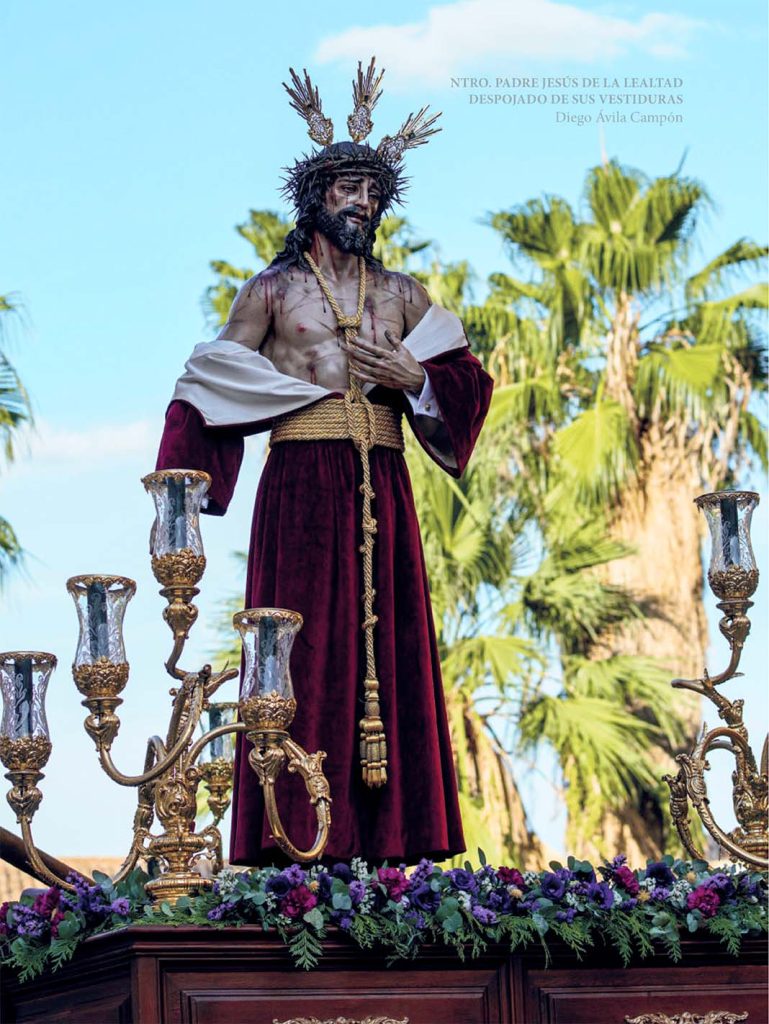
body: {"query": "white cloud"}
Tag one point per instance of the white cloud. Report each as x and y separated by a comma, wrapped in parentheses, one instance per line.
(455, 36)
(48, 444)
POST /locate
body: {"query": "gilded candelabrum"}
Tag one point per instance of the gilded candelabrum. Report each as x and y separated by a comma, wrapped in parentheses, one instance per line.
(733, 578)
(173, 766)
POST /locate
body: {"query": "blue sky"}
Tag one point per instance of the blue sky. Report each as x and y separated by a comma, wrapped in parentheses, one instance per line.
(136, 137)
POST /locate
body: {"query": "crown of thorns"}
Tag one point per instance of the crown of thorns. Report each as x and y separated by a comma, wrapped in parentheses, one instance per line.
(383, 163)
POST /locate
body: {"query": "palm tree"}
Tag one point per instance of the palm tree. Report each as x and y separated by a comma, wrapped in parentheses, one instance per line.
(632, 385)
(14, 412)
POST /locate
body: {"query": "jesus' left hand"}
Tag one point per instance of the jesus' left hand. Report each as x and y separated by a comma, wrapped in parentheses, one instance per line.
(393, 367)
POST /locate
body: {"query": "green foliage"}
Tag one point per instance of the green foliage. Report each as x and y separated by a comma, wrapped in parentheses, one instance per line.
(400, 913)
(305, 949)
(15, 411)
(597, 453)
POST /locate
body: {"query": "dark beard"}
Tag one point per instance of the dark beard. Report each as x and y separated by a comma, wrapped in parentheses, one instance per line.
(351, 238)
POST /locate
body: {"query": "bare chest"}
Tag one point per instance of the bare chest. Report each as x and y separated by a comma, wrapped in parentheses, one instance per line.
(304, 338)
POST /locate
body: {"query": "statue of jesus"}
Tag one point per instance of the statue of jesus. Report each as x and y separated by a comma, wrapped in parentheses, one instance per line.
(328, 350)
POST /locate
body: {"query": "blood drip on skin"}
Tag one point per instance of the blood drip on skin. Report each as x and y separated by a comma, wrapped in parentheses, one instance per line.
(313, 374)
(372, 317)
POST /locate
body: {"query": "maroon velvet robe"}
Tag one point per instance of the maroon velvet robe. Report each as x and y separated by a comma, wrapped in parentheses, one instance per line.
(304, 556)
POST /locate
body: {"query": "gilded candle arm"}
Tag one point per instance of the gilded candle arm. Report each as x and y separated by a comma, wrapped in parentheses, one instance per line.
(221, 730)
(172, 755)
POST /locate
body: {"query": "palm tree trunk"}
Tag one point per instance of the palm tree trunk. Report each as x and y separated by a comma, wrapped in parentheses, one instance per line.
(493, 815)
(657, 517)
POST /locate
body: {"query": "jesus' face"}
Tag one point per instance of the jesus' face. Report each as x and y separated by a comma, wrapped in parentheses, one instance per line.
(352, 202)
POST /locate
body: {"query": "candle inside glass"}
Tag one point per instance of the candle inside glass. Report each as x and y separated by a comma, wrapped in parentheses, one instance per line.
(215, 719)
(98, 629)
(730, 534)
(177, 520)
(22, 697)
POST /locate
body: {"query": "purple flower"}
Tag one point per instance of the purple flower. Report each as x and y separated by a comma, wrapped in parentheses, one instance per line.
(565, 916)
(462, 880)
(553, 885)
(721, 883)
(660, 894)
(278, 885)
(600, 894)
(747, 887)
(425, 899)
(628, 904)
(324, 886)
(421, 873)
(500, 901)
(342, 872)
(483, 915)
(345, 922)
(660, 872)
(120, 906)
(217, 913)
(357, 892)
(295, 875)
(619, 861)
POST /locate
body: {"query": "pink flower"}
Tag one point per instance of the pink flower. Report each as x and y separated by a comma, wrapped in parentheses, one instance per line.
(510, 876)
(298, 901)
(394, 881)
(704, 899)
(58, 917)
(46, 902)
(625, 877)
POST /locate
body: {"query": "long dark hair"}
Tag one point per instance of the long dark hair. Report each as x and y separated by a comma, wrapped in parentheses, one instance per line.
(307, 182)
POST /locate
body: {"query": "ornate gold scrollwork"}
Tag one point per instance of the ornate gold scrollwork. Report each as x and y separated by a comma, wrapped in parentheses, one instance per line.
(101, 679)
(167, 787)
(711, 1017)
(344, 1020)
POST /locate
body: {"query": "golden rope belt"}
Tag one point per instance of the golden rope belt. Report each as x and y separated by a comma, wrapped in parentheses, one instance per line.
(361, 427)
(329, 420)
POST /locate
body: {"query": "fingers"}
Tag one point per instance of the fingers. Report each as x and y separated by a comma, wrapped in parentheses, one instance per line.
(372, 378)
(394, 342)
(361, 359)
(364, 346)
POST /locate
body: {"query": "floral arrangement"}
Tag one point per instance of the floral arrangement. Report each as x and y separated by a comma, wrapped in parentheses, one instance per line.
(400, 910)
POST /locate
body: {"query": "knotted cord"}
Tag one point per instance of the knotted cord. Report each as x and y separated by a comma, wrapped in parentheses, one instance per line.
(362, 430)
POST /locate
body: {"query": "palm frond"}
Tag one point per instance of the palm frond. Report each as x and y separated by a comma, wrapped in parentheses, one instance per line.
(742, 255)
(598, 452)
(11, 551)
(676, 380)
(601, 741)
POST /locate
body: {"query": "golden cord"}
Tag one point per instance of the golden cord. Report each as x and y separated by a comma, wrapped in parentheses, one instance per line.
(362, 431)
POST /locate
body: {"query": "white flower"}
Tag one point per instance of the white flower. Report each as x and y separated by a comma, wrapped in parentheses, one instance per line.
(465, 900)
(360, 869)
(531, 877)
(227, 881)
